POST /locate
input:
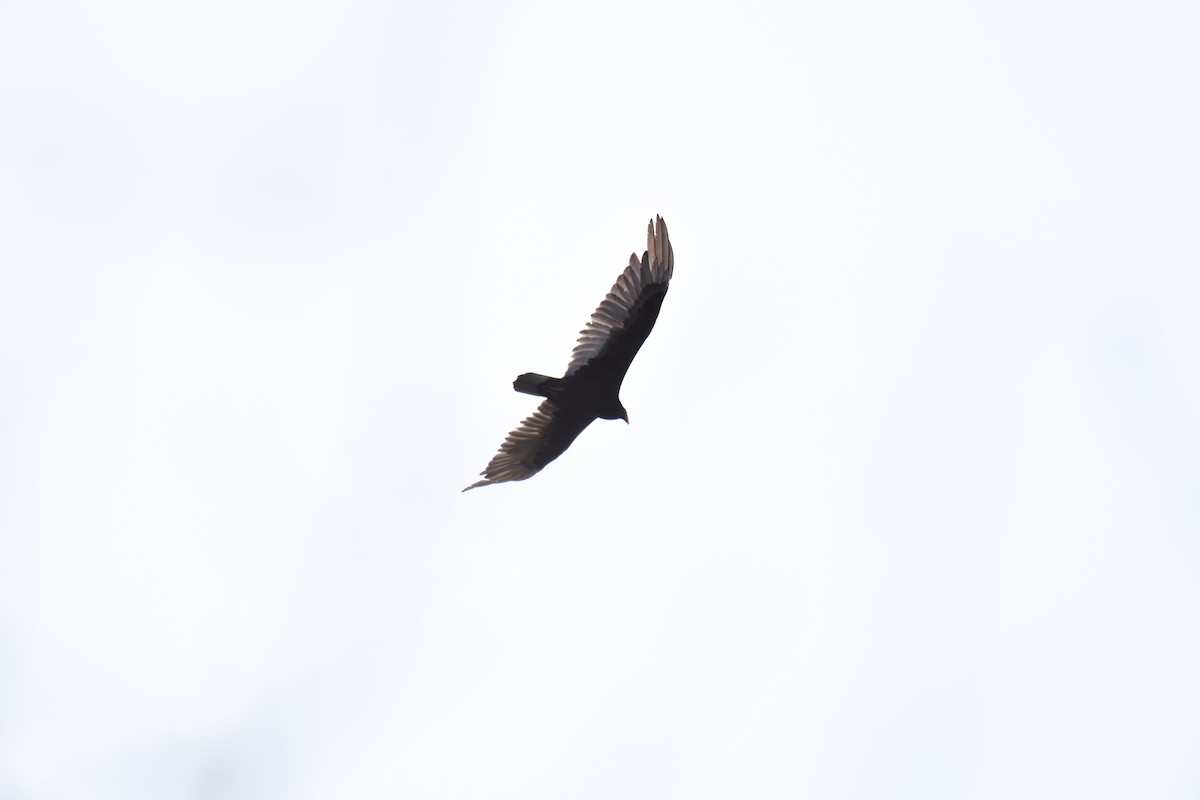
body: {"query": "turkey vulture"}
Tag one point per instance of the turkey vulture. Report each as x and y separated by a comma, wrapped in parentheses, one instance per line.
(591, 387)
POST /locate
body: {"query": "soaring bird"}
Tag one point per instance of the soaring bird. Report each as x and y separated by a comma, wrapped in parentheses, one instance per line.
(591, 387)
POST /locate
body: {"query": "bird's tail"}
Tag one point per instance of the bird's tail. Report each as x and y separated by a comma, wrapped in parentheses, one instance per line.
(532, 383)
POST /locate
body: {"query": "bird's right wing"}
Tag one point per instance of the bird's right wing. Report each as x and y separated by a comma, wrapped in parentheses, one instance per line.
(626, 315)
(540, 439)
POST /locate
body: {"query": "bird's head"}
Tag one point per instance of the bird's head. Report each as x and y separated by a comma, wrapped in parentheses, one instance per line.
(614, 410)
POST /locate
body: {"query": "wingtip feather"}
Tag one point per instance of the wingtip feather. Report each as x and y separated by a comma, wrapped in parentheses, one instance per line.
(659, 251)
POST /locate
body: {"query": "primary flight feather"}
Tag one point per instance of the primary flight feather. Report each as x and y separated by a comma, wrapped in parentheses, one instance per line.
(590, 389)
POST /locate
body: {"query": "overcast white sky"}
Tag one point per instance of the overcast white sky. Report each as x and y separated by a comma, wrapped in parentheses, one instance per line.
(909, 503)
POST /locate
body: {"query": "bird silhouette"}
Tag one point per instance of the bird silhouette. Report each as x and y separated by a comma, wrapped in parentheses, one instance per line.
(590, 389)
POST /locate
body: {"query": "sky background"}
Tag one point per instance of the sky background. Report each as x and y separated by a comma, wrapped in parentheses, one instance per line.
(908, 506)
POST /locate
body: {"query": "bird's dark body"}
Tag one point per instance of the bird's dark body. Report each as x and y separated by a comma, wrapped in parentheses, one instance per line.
(591, 387)
(596, 386)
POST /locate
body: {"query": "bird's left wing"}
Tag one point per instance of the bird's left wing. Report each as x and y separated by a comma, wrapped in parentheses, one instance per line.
(540, 439)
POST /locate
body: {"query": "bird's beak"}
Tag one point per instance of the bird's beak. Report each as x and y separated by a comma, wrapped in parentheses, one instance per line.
(625, 417)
